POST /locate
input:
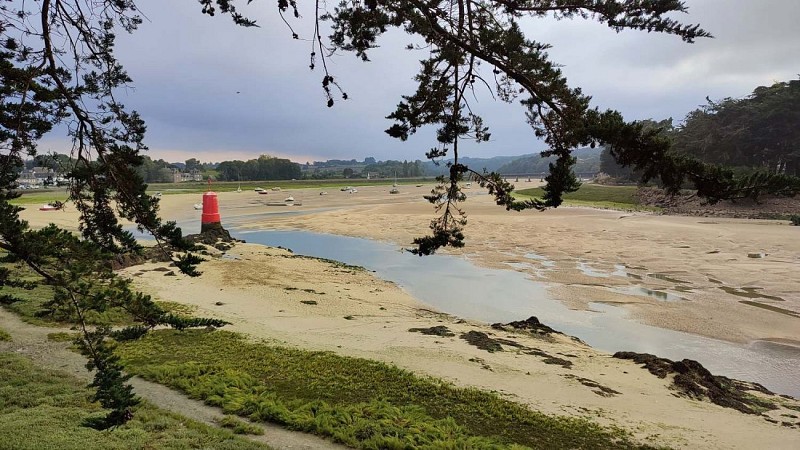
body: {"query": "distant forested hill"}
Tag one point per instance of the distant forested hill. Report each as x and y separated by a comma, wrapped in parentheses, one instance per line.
(478, 164)
(588, 161)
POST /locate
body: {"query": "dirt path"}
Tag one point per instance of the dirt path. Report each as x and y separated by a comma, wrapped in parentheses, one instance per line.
(31, 341)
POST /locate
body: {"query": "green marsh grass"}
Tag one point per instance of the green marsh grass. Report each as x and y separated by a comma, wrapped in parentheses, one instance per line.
(239, 426)
(40, 197)
(4, 336)
(62, 336)
(179, 309)
(43, 409)
(357, 402)
(597, 196)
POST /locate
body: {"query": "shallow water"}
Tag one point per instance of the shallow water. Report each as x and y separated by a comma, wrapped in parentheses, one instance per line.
(455, 286)
(659, 295)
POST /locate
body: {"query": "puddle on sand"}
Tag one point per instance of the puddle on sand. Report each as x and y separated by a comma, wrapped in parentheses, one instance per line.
(588, 270)
(772, 308)
(749, 292)
(665, 277)
(458, 287)
(542, 259)
(620, 270)
(526, 267)
(643, 291)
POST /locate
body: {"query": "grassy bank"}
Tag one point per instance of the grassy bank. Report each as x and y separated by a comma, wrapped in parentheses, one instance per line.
(361, 403)
(597, 196)
(31, 304)
(44, 409)
(40, 196)
(4, 336)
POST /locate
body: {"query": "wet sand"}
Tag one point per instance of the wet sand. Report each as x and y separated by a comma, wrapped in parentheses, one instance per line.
(708, 264)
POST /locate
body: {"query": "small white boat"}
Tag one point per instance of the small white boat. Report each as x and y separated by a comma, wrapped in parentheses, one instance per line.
(259, 190)
(323, 193)
(353, 190)
(48, 208)
(394, 191)
(289, 199)
(198, 206)
(276, 188)
(263, 192)
(239, 189)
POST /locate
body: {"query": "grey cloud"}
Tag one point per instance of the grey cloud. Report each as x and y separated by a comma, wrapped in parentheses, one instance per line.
(187, 69)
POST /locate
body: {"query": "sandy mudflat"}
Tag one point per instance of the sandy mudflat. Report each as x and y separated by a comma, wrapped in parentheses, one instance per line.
(707, 262)
(270, 294)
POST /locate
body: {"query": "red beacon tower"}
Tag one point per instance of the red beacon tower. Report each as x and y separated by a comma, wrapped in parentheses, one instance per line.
(210, 219)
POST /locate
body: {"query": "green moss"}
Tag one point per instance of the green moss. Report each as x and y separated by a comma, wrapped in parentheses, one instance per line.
(43, 409)
(358, 402)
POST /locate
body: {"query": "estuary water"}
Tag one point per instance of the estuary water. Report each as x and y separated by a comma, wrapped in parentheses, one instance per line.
(455, 286)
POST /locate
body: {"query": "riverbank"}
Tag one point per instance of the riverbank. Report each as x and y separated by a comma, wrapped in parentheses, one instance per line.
(303, 305)
(731, 279)
(736, 278)
(313, 304)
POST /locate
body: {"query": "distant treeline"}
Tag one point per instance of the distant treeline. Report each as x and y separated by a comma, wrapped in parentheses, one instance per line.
(387, 169)
(760, 131)
(263, 168)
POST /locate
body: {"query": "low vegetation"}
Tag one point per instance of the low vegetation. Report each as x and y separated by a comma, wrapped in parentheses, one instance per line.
(4, 336)
(598, 196)
(40, 196)
(357, 402)
(239, 426)
(43, 409)
(32, 305)
(62, 336)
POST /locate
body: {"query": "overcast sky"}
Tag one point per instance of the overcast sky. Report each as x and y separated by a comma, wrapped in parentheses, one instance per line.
(188, 67)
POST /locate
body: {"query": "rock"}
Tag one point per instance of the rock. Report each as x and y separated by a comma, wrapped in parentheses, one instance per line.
(482, 341)
(531, 324)
(439, 330)
(693, 380)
